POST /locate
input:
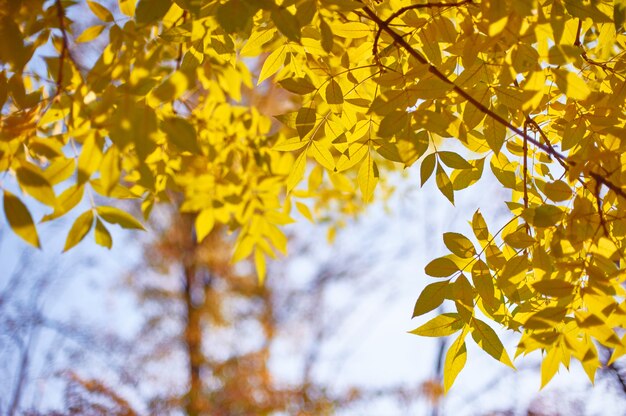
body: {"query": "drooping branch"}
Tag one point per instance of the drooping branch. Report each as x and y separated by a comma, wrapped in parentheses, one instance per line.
(547, 148)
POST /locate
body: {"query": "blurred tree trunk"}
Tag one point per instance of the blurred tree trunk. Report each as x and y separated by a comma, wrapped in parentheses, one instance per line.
(192, 335)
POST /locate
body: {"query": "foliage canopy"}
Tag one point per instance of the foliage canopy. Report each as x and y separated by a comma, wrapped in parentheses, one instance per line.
(177, 106)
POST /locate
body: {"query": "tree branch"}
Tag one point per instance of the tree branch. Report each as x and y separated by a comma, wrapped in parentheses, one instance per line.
(547, 147)
(64, 47)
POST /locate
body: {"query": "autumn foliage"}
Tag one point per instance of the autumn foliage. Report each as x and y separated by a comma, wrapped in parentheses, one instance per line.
(171, 109)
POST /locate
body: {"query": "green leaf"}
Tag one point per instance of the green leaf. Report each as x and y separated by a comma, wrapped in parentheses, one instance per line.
(79, 229)
(456, 357)
(114, 215)
(100, 11)
(19, 219)
(103, 237)
(459, 244)
(487, 339)
(431, 297)
(440, 326)
(441, 267)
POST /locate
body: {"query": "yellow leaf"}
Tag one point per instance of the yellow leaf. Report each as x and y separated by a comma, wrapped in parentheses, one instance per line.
(571, 84)
(103, 237)
(254, 44)
(110, 169)
(90, 33)
(89, 159)
(181, 133)
(19, 219)
(100, 11)
(494, 133)
(483, 282)
(243, 248)
(204, 223)
(79, 229)
(297, 172)
(127, 7)
(290, 145)
(351, 30)
(455, 361)
(427, 167)
(66, 201)
(305, 211)
(431, 297)
(479, 226)
(321, 153)
(554, 287)
(487, 339)
(459, 244)
(550, 364)
(558, 191)
(440, 326)
(287, 23)
(368, 178)
(334, 95)
(272, 63)
(444, 184)
(259, 262)
(114, 215)
(35, 184)
(441, 267)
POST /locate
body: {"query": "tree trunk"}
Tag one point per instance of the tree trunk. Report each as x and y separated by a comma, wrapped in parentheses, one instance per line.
(196, 404)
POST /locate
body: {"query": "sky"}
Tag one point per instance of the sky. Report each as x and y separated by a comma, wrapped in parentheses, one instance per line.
(371, 346)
